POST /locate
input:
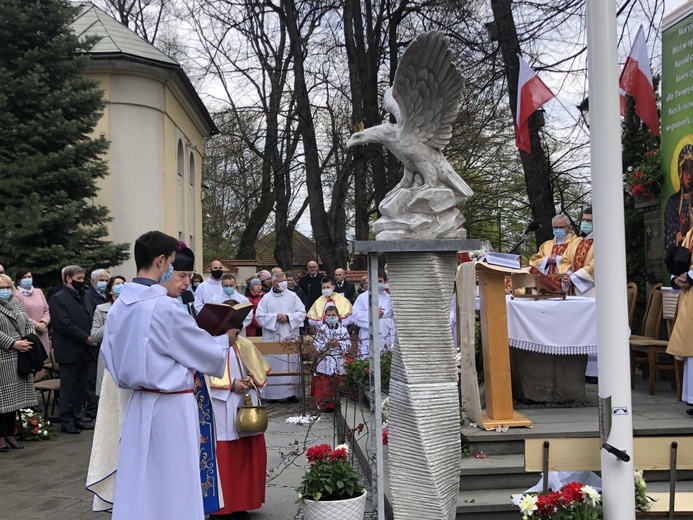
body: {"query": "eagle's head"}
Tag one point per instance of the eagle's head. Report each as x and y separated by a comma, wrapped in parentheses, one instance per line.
(376, 134)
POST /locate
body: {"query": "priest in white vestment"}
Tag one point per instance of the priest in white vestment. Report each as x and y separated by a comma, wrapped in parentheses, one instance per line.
(231, 292)
(153, 346)
(281, 313)
(386, 322)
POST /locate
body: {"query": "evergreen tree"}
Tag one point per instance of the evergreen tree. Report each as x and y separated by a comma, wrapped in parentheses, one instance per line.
(49, 164)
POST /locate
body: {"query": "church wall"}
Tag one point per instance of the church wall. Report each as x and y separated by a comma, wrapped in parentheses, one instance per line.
(144, 121)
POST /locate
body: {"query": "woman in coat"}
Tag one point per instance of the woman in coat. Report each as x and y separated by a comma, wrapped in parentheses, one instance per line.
(35, 305)
(16, 391)
(113, 287)
(255, 294)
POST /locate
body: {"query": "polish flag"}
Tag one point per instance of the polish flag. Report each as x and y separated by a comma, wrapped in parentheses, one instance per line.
(636, 80)
(531, 94)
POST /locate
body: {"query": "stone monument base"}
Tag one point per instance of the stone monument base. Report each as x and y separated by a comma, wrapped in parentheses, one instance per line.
(547, 378)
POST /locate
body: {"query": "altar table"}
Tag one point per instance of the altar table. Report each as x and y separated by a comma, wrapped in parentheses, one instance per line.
(552, 339)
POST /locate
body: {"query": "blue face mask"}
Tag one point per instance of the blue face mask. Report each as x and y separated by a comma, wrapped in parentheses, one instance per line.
(117, 289)
(228, 291)
(196, 285)
(5, 294)
(586, 227)
(559, 233)
(26, 283)
(332, 320)
(101, 286)
(167, 275)
(381, 287)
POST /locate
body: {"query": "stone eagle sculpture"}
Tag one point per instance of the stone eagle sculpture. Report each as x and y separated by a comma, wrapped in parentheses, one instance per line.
(424, 99)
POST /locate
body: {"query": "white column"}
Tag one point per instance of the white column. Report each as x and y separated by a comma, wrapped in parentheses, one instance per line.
(610, 254)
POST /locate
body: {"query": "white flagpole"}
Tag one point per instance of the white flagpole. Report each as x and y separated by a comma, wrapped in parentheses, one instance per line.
(610, 257)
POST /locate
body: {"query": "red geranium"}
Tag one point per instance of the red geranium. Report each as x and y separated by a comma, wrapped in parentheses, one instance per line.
(318, 453)
(338, 454)
(572, 492)
(385, 436)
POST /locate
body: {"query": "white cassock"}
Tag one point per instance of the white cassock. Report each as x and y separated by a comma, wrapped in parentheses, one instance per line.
(222, 297)
(151, 342)
(333, 344)
(225, 404)
(101, 475)
(206, 291)
(272, 304)
(386, 322)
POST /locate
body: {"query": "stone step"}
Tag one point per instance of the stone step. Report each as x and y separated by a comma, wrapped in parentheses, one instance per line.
(495, 471)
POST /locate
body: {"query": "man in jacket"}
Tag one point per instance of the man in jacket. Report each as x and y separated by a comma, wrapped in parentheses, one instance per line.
(344, 286)
(74, 348)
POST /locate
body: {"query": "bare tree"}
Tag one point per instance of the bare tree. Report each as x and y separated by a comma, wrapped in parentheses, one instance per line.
(145, 17)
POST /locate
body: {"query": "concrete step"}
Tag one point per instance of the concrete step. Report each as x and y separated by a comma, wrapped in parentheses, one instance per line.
(495, 471)
(487, 504)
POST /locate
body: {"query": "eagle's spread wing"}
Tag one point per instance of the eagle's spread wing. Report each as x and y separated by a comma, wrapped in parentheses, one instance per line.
(427, 89)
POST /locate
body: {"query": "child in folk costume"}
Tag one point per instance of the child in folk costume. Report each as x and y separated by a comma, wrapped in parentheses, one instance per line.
(241, 457)
(333, 344)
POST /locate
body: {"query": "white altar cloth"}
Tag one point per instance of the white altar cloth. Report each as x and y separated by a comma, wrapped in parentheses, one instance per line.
(553, 326)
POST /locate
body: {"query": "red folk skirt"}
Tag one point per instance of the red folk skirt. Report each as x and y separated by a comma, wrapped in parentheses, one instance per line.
(323, 390)
(243, 472)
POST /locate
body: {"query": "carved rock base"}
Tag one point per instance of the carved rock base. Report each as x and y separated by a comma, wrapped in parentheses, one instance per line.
(424, 449)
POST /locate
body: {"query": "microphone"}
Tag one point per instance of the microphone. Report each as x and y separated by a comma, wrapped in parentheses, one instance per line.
(531, 228)
(189, 300)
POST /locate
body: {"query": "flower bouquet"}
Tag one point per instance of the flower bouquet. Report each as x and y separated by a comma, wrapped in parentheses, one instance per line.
(642, 501)
(33, 427)
(574, 501)
(331, 487)
(644, 182)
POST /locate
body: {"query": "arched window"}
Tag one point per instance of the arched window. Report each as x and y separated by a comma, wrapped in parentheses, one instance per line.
(180, 193)
(192, 201)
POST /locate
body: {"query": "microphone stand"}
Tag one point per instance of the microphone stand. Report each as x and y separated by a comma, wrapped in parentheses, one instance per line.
(523, 238)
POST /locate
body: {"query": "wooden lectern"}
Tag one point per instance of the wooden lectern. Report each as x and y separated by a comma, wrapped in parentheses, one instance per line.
(494, 340)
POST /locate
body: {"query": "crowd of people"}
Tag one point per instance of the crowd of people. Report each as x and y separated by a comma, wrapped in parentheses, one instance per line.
(137, 346)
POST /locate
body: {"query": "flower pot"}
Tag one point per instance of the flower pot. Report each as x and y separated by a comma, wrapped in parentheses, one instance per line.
(347, 509)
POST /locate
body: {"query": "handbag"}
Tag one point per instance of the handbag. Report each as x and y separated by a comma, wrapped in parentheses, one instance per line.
(249, 417)
(30, 362)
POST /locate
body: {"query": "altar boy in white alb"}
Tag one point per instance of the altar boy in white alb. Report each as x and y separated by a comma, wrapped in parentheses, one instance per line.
(281, 313)
(152, 346)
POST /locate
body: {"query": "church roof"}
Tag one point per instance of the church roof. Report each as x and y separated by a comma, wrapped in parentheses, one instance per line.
(303, 250)
(119, 42)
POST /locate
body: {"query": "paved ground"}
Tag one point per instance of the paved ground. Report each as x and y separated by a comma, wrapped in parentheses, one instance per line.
(46, 479)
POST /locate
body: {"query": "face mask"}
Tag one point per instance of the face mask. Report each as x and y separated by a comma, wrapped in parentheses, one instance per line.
(586, 227)
(77, 286)
(5, 294)
(381, 287)
(26, 283)
(228, 291)
(217, 274)
(165, 277)
(332, 320)
(101, 286)
(327, 292)
(196, 285)
(559, 233)
(282, 286)
(117, 289)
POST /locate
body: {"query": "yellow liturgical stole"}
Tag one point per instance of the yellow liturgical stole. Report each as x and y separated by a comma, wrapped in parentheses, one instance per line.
(343, 306)
(252, 359)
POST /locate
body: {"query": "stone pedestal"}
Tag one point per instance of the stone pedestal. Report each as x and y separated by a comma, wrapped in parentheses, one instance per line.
(547, 378)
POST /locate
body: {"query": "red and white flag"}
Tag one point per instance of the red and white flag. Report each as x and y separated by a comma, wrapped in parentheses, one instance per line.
(531, 94)
(636, 81)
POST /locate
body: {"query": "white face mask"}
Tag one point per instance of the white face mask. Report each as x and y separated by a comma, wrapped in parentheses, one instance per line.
(281, 286)
(327, 292)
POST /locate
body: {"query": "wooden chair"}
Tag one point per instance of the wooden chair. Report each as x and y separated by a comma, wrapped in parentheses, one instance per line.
(649, 454)
(632, 301)
(647, 348)
(49, 387)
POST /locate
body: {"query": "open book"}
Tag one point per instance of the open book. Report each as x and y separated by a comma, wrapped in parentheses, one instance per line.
(503, 259)
(546, 284)
(217, 318)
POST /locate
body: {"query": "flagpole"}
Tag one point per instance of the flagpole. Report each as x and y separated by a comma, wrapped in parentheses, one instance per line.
(616, 421)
